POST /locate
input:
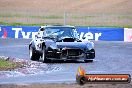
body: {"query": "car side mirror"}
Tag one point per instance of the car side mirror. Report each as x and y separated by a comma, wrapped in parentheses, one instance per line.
(42, 29)
(83, 37)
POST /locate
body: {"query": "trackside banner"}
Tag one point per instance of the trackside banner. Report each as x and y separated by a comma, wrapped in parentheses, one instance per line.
(91, 33)
(18, 31)
(128, 34)
(101, 33)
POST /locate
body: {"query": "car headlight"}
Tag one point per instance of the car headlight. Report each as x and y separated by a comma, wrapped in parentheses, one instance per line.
(90, 45)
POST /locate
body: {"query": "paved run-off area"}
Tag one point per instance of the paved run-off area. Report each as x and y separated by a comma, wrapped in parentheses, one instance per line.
(111, 57)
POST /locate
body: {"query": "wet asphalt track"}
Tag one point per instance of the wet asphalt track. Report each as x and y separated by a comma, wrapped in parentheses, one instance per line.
(111, 57)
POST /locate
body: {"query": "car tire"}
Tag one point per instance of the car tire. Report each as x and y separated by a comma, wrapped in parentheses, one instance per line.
(92, 56)
(44, 58)
(33, 56)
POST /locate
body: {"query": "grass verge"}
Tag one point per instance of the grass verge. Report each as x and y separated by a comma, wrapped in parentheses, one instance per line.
(40, 24)
(8, 65)
(23, 24)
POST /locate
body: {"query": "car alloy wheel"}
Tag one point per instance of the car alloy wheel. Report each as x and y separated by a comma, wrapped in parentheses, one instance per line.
(30, 52)
(43, 55)
(44, 59)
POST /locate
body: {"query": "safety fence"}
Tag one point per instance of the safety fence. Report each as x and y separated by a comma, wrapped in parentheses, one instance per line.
(70, 18)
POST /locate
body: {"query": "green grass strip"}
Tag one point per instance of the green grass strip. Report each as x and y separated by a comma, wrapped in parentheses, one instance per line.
(41, 24)
(6, 64)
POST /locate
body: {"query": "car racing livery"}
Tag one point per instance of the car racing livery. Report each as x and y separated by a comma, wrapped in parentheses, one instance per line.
(57, 42)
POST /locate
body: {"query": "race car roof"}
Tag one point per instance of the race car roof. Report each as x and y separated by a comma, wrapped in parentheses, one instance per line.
(56, 26)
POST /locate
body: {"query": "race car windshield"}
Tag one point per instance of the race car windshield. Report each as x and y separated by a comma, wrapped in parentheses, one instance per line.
(58, 32)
